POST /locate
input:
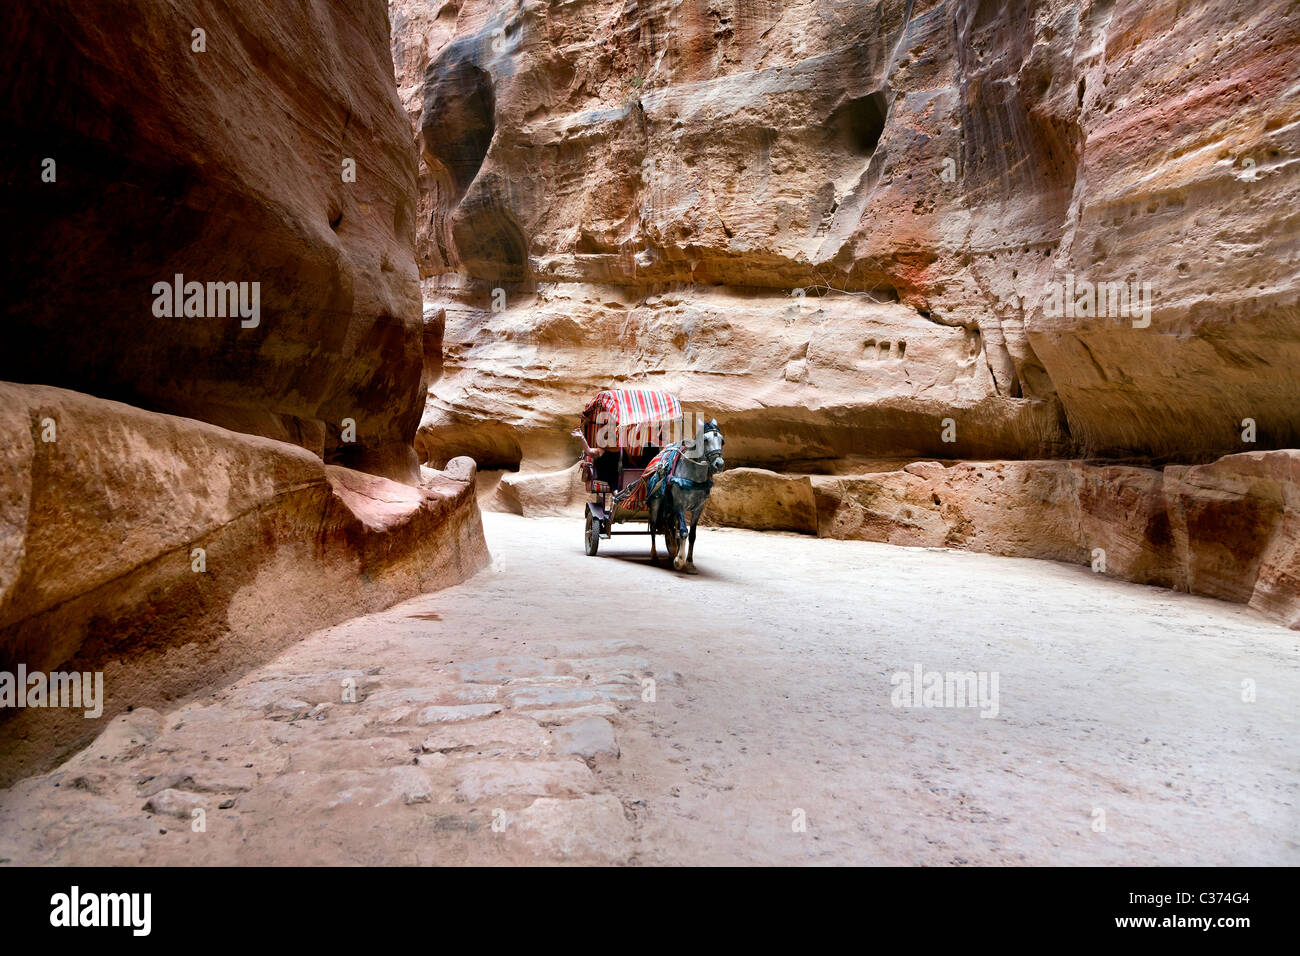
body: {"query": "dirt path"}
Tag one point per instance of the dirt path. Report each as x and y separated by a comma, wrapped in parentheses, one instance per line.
(502, 699)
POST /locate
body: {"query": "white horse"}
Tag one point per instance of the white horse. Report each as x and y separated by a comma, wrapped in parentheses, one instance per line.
(686, 490)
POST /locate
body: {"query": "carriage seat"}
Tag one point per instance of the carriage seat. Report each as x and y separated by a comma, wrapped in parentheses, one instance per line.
(614, 471)
(605, 469)
(634, 465)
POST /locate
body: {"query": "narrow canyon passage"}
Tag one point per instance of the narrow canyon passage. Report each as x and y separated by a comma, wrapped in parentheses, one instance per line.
(1121, 735)
(344, 332)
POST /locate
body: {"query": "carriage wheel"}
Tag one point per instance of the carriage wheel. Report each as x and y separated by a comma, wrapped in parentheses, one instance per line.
(592, 535)
(670, 540)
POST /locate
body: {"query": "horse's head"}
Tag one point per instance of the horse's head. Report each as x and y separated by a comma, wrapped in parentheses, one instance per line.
(711, 436)
(706, 446)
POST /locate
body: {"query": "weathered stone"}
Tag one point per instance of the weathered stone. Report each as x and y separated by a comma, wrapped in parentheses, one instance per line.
(589, 737)
(604, 669)
(835, 228)
(321, 756)
(279, 156)
(762, 500)
(566, 714)
(506, 736)
(406, 785)
(203, 779)
(480, 779)
(533, 494)
(593, 827)
(470, 694)
(543, 696)
(176, 803)
(456, 713)
(414, 784)
(288, 706)
(618, 692)
(1235, 526)
(495, 670)
(199, 545)
(1226, 529)
(126, 735)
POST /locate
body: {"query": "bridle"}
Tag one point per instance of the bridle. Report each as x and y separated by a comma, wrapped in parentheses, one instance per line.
(714, 454)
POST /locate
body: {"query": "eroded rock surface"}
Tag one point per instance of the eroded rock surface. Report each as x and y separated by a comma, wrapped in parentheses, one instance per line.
(309, 757)
(260, 480)
(1227, 529)
(671, 193)
(224, 164)
(841, 227)
(168, 553)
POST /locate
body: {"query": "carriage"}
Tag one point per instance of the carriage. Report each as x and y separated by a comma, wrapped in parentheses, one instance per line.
(634, 449)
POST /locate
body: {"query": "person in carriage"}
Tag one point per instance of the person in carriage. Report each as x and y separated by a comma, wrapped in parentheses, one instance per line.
(605, 466)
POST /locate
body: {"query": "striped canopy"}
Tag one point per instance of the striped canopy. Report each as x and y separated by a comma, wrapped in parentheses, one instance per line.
(611, 419)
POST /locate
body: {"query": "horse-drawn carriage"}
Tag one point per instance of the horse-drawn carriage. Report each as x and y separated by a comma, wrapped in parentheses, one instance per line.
(639, 465)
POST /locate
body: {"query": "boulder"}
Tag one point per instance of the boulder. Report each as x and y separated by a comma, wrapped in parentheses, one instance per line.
(167, 552)
(762, 500)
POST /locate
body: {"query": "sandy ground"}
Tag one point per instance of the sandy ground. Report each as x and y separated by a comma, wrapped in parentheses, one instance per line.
(484, 719)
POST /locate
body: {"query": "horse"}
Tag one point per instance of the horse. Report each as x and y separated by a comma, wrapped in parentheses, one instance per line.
(689, 467)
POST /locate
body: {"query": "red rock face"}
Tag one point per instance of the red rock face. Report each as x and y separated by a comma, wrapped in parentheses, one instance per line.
(135, 539)
(229, 164)
(948, 162)
(169, 553)
(1066, 229)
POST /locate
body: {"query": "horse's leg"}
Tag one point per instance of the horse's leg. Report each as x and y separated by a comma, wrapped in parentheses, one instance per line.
(679, 516)
(690, 554)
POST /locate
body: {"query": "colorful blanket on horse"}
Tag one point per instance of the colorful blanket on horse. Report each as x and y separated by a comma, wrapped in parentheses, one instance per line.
(636, 496)
(651, 484)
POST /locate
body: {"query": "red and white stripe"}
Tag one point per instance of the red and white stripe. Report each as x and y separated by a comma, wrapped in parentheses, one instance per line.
(625, 408)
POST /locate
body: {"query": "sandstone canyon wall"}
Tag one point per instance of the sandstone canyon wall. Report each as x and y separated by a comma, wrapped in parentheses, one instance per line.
(838, 225)
(182, 494)
(220, 165)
